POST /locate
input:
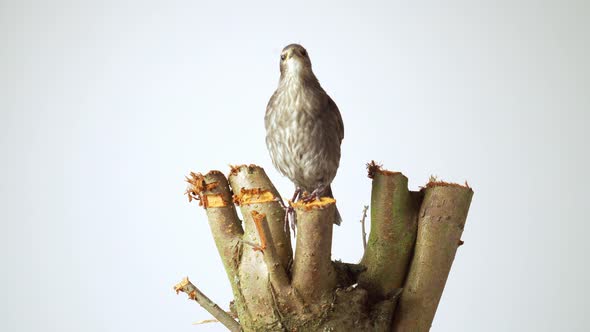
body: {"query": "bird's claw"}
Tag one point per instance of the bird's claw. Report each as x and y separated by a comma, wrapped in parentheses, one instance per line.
(315, 195)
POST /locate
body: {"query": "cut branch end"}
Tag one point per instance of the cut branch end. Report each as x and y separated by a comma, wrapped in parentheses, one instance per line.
(258, 219)
(322, 203)
(253, 196)
(434, 182)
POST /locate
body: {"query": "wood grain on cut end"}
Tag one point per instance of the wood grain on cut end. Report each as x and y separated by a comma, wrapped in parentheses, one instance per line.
(318, 204)
(253, 196)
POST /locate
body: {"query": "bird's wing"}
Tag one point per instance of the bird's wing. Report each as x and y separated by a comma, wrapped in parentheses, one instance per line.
(269, 108)
(334, 113)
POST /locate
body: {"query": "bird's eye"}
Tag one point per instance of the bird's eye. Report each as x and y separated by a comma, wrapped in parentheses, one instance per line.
(303, 53)
(283, 57)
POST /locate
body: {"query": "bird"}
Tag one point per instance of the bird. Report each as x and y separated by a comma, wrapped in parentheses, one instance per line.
(304, 129)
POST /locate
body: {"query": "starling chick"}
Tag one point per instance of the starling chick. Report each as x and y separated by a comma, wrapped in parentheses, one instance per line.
(303, 127)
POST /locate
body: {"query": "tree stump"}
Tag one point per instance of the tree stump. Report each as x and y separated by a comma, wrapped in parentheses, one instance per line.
(396, 287)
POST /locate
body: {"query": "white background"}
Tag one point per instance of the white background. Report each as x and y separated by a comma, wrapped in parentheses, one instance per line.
(106, 106)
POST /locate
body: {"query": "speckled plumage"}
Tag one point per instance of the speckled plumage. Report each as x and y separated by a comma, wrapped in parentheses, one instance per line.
(304, 127)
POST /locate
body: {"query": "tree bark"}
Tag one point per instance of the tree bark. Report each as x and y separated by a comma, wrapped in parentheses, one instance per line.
(397, 285)
(393, 233)
(442, 218)
(314, 276)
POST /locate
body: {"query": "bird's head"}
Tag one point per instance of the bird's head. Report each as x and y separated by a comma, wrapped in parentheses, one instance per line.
(295, 61)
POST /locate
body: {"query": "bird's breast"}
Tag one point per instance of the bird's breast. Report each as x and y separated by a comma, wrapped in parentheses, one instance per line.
(300, 146)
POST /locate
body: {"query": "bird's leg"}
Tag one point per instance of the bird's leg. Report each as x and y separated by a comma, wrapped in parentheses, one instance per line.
(290, 211)
(297, 194)
(315, 194)
(290, 217)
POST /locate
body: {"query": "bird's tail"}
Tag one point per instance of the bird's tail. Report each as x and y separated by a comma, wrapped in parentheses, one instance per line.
(337, 217)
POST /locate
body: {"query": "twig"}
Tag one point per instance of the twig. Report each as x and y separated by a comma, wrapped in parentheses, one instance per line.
(206, 321)
(210, 320)
(254, 246)
(195, 294)
(365, 208)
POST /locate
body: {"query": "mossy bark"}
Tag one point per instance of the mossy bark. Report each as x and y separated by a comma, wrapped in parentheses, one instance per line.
(393, 233)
